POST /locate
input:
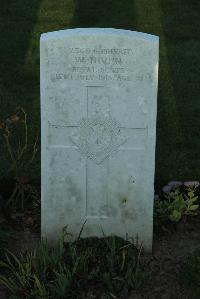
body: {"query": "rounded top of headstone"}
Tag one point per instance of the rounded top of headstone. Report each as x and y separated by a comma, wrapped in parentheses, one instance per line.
(99, 31)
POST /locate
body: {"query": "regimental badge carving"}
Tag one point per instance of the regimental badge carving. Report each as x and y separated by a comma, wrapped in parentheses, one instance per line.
(99, 137)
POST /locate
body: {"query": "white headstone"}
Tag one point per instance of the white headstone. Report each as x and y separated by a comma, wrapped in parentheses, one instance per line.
(98, 112)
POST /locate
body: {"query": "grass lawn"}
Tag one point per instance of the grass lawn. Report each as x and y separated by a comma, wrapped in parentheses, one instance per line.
(177, 23)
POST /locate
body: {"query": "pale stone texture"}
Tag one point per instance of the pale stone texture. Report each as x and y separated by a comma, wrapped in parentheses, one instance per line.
(98, 111)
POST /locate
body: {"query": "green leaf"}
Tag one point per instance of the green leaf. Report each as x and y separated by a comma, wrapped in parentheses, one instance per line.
(192, 200)
(191, 193)
(194, 207)
(37, 282)
(175, 216)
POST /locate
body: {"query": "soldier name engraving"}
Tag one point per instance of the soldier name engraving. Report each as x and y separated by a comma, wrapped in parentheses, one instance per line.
(103, 64)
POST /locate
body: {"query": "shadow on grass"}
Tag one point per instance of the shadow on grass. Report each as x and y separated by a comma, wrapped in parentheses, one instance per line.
(181, 27)
(104, 13)
(17, 21)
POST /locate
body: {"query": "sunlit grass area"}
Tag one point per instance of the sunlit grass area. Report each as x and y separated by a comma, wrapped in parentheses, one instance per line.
(176, 22)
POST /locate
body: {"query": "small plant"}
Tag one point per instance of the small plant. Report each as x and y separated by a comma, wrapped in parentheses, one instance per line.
(190, 272)
(14, 130)
(30, 276)
(73, 269)
(177, 205)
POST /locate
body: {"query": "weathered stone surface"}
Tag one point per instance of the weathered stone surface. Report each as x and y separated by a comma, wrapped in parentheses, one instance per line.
(98, 110)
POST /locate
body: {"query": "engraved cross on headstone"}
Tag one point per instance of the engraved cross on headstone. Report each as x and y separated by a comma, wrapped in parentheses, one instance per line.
(98, 136)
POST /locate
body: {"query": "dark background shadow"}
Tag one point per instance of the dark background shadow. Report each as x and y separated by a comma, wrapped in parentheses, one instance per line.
(16, 26)
(17, 21)
(178, 135)
(104, 13)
